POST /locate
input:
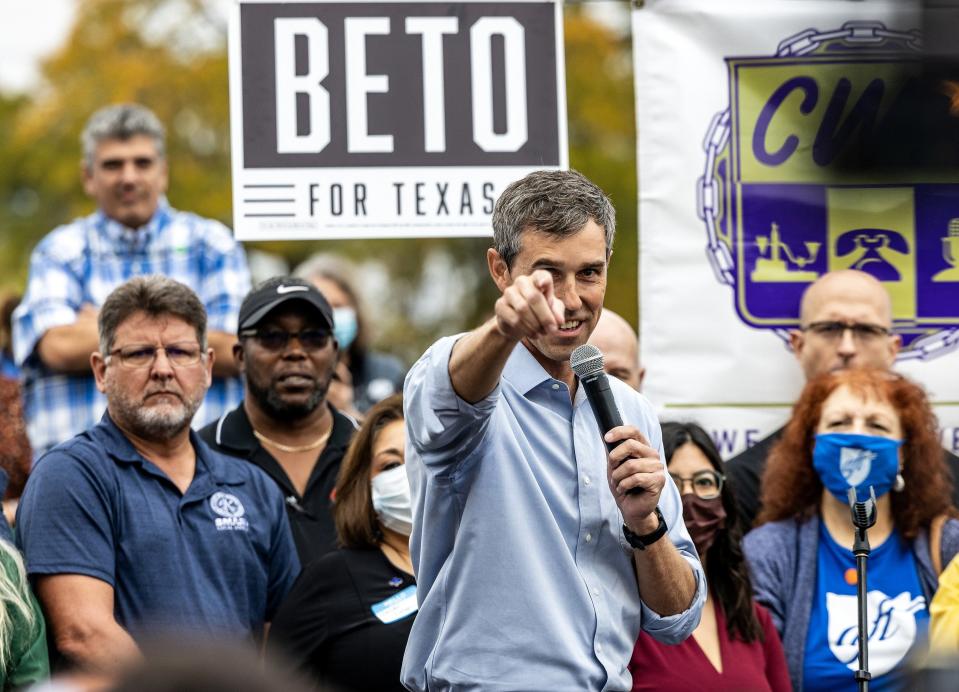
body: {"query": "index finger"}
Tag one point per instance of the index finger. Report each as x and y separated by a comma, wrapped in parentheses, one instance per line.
(544, 282)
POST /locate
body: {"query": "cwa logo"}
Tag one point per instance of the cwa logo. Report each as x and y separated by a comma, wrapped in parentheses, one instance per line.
(782, 206)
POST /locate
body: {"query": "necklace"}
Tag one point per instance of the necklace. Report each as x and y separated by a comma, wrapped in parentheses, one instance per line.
(293, 449)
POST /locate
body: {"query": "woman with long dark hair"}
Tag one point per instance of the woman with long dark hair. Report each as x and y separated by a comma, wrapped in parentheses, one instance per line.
(861, 429)
(735, 646)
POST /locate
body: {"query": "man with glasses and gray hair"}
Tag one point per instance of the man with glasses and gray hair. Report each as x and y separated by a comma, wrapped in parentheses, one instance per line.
(133, 232)
(286, 354)
(136, 528)
(845, 322)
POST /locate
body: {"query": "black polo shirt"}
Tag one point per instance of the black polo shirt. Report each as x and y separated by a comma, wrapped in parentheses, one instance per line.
(311, 516)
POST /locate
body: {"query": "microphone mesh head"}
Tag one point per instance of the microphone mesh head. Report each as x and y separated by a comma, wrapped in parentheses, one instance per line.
(586, 360)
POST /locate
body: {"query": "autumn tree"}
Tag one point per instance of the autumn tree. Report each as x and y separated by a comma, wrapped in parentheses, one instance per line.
(172, 57)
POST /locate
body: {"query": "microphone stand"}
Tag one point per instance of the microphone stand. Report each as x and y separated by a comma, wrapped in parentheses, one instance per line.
(863, 517)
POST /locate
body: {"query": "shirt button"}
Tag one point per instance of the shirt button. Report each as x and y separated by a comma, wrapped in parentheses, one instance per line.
(599, 648)
(555, 385)
(589, 537)
(587, 480)
(596, 593)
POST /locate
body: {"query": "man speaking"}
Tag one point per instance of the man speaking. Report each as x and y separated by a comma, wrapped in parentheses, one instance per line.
(535, 568)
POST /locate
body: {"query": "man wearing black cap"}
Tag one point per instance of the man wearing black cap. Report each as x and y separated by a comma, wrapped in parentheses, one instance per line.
(286, 355)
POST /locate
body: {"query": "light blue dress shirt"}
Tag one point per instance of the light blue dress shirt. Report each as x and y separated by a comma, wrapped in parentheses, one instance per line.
(524, 579)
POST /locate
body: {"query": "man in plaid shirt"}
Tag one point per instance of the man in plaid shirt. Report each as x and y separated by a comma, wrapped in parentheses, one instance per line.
(75, 267)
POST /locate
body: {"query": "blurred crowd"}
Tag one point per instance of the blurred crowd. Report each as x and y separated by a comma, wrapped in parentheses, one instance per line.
(217, 496)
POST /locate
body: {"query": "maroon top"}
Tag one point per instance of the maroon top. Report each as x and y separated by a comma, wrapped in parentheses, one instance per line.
(759, 665)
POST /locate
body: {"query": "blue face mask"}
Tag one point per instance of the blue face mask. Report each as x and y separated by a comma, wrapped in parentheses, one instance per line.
(344, 326)
(846, 461)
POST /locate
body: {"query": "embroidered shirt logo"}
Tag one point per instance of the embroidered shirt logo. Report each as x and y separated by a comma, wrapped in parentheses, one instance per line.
(230, 511)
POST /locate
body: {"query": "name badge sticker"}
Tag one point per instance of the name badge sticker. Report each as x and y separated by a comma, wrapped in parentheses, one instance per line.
(397, 606)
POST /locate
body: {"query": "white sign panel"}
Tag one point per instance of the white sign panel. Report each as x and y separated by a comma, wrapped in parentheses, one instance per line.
(389, 119)
(747, 112)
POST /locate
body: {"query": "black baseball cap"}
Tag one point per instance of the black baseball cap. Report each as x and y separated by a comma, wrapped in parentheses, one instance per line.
(277, 291)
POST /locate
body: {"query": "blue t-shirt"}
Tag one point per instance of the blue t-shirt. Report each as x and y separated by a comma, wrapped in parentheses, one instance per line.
(215, 560)
(897, 615)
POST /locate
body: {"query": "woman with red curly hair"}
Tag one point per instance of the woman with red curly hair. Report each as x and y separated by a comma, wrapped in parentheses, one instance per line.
(857, 429)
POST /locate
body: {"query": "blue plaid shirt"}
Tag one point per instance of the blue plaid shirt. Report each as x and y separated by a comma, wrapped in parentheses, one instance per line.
(82, 262)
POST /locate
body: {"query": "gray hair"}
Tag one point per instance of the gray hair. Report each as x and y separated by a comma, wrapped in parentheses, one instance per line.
(155, 295)
(121, 121)
(554, 202)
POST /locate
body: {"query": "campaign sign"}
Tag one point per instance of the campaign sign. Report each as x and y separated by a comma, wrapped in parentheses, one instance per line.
(781, 209)
(389, 119)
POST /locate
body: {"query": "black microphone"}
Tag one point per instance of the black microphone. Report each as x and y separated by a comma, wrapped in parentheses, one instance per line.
(863, 511)
(587, 363)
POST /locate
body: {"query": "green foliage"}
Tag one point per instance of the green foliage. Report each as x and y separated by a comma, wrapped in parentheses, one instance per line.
(132, 50)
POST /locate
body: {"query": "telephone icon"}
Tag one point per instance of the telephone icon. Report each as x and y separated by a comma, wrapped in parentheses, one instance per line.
(877, 251)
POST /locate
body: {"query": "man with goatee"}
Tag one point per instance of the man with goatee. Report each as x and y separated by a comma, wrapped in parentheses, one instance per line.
(286, 355)
(135, 528)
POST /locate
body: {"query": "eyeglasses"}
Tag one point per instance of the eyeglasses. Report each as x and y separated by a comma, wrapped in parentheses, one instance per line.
(143, 355)
(707, 483)
(277, 340)
(861, 331)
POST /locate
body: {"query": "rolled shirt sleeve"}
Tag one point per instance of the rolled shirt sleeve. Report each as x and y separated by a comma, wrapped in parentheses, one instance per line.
(512, 515)
(442, 427)
(672, 629)
(54, 291)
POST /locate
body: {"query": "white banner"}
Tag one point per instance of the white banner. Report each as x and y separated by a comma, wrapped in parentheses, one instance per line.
(738, 204)
(389, 119)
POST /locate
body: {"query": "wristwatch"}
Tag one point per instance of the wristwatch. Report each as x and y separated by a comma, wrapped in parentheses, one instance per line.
(641, 542)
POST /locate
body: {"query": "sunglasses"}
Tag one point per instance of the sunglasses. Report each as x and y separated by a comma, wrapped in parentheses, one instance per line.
(277, 339)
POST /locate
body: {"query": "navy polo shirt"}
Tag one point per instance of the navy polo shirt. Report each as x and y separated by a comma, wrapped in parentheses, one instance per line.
(216, 560)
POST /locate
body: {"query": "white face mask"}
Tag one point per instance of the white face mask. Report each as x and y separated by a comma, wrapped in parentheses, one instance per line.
(391, 500)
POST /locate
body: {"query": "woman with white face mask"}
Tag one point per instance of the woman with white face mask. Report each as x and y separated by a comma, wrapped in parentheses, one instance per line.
(856, 429)
(346, 620)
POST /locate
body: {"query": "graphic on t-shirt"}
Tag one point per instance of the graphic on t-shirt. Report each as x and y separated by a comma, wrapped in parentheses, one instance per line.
(855, 464)
(891, 626)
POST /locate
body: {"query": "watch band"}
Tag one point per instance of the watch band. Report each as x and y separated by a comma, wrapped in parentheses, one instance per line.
(641, 542)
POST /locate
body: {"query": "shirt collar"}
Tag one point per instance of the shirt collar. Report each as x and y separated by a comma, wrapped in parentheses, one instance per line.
(118, 446)
(523, 371)
(234, 431)
(134, 239)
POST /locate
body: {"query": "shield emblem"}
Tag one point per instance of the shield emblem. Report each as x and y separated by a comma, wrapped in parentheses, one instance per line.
(781, 210)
